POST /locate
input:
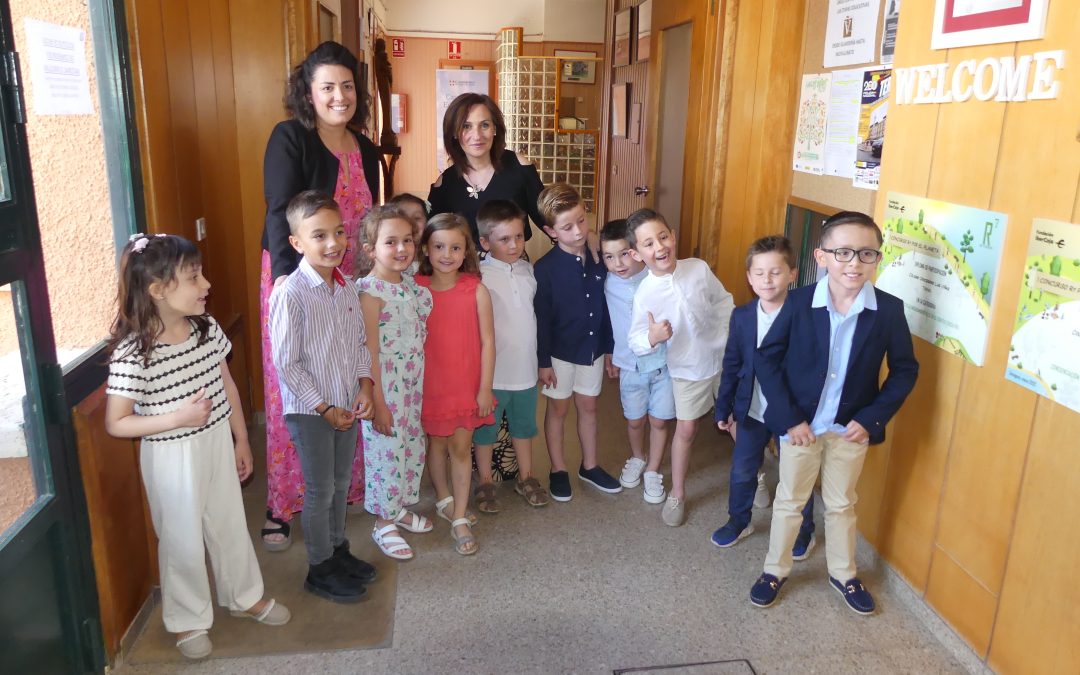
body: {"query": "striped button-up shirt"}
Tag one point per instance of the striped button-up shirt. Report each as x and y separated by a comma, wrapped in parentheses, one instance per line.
(318, 342)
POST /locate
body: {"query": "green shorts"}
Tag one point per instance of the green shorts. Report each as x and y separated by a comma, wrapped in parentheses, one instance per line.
(520, 409)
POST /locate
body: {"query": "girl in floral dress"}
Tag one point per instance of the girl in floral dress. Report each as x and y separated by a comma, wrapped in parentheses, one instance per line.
(395, 315)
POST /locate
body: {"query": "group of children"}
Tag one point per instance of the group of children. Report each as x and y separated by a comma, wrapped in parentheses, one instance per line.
(426, 353)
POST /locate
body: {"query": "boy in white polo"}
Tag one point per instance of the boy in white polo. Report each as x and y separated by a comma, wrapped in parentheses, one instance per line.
(683, 304)
(512, 286)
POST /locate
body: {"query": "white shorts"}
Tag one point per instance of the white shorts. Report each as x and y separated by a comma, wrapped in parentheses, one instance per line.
(570, 378)
(694, 398)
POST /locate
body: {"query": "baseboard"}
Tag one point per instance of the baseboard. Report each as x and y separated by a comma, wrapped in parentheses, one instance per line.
(137, 626)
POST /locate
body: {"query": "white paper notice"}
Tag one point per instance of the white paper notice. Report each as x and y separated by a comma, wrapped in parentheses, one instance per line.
(810, 132)
(60, 84)
(851, 32)
(845, 97)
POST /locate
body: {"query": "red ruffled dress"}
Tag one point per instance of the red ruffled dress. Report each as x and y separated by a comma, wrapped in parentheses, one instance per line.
(452, 359)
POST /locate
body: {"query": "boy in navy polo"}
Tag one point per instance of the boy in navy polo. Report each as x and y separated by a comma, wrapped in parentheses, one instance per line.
(819, 368)
(573, 335)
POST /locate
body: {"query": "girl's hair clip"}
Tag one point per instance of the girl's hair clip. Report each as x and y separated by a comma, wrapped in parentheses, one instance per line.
(141, 240)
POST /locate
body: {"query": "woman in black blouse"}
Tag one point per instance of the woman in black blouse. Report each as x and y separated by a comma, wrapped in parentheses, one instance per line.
(482, 169)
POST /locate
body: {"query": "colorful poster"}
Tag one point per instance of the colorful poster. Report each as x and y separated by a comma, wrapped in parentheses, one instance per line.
(942, 260)
(449, 84)
(874, 107)
(850, 32)
(810, 132)
(1046, 336)
(842, 131)
(888, 31)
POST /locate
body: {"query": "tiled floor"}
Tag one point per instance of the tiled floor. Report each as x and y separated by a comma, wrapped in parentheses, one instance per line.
(600, 584)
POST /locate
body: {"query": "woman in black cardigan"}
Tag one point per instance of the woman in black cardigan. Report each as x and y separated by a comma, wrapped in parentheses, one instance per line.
(482, 169)
(317, 148)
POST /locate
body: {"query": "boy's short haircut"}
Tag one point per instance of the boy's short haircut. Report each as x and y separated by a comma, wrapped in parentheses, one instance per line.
(613, 231)
(408, 198)
(774, 243)
(495, 213)
(556, 199)
(639, 218)
(850, 218)
(305, 205)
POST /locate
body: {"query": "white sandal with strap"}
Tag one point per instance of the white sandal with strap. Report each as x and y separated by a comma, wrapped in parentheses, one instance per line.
(445, 508)
(391, 543)
(460, 542)
(413, 522)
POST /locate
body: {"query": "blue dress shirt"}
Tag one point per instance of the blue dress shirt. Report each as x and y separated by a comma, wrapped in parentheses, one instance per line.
(571, 316)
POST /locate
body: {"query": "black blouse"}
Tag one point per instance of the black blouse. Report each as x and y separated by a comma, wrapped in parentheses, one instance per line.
(513, 182)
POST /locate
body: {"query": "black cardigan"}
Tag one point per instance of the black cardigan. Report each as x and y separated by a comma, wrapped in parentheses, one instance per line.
(514, 181)
(296, 160)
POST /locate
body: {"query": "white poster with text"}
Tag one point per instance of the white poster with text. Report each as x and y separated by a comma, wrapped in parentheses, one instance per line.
(851, 32)
(60, 84)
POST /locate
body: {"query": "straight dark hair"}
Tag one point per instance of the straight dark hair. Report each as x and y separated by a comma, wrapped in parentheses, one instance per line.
(149, 259)
(639, 218)
(454, 121)
(298, 89)
(614, 230)
(850, 218)
(495, 213)
(775, 243)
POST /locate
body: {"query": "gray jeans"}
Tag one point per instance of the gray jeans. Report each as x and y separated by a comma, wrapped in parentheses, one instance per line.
(326, 459)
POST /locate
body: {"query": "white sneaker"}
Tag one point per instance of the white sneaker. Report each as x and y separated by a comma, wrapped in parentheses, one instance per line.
(631, 473)
(761, 496)
(654, 488)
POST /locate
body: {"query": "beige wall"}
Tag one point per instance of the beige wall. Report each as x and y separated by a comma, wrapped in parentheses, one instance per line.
(72, 194)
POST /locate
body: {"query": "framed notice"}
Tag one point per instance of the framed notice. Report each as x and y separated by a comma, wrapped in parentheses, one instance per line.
(963, 23)
(580, 72)
(643, 32)
(620, 96)
(623, 20)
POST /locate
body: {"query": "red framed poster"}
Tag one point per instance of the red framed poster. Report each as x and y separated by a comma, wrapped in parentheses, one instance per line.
(963, 23)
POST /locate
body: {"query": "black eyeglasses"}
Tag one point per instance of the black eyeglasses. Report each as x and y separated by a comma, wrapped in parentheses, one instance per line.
(866, 255)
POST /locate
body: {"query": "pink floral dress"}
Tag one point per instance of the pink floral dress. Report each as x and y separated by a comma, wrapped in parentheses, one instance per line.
(394, 464)
(284, 481)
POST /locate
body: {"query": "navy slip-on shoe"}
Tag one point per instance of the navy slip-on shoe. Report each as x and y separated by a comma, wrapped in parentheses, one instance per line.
(855, 595)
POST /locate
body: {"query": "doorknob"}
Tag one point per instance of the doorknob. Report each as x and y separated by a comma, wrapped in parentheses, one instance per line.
(642, 190)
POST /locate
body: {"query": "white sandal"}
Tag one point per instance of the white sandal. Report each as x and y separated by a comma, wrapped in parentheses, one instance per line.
(272, 614)
(445, 508)
(197, 645)
(414, 523)
(460, 542)
(390, 542)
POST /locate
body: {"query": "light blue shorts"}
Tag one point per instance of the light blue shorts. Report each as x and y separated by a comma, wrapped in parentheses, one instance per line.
(648, 392)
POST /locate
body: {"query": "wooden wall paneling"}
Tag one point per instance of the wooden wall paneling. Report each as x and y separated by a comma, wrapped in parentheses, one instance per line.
(1038, 612)
(260, 57)
(963, 602)
(122, 540)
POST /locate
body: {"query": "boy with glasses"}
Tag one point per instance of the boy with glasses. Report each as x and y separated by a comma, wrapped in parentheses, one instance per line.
(818, 368)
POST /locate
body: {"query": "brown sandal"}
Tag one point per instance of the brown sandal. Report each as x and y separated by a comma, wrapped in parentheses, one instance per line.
(531, 490)
(485, 498)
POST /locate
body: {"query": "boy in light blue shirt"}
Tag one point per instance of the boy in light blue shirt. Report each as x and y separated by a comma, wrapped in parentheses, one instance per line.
(644, 382)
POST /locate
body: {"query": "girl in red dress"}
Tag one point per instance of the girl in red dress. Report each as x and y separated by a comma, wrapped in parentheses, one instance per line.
(459, 356)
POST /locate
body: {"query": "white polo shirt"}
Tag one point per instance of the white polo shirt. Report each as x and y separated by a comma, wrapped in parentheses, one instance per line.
(512, 289)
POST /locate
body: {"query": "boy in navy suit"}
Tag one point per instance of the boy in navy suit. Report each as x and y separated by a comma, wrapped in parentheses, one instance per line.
(740, 405)
(819, 368)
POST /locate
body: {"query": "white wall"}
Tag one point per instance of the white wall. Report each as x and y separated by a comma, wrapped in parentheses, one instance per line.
(574, 20)
(550, 20)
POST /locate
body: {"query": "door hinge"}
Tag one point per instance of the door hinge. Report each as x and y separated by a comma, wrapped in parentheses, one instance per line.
(52, 393)
(14, 87)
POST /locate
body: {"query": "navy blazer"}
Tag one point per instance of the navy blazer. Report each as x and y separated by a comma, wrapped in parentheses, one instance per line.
(296, 160)
(737, 376)
(793, 361)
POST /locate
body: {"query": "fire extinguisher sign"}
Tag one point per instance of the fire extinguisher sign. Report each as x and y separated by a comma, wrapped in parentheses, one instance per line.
(453, 49)
(399, 47)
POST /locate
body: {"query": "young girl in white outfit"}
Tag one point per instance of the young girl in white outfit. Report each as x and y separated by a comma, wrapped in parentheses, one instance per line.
(169, 384)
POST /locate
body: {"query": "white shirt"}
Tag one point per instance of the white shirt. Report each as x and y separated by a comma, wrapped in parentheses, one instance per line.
(512, 289)
(699, 309)
(764, 323)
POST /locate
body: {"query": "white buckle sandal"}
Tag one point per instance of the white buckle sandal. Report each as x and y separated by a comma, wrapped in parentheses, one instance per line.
(391, 543)
(413, 522)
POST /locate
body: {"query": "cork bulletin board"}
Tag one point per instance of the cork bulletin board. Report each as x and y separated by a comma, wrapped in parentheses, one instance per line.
(831, 190)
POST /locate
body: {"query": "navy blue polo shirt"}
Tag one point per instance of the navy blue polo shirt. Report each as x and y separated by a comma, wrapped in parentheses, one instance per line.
(571, 315)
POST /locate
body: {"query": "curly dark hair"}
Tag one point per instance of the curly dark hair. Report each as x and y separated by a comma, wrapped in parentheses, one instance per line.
(159, 260)
(298, 89)
(454, 120)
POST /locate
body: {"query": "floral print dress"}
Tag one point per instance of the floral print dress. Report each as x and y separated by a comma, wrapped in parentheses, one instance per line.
(394, 464)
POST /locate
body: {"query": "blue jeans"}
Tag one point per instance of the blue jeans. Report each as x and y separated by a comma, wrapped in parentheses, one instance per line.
(326, 458)
(751, 437)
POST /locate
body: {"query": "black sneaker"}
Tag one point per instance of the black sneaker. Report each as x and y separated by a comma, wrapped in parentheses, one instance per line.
(599, 479)
(328, 580)
(559, 486)
(353, 566)
(855, 595)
